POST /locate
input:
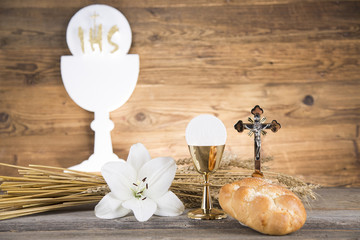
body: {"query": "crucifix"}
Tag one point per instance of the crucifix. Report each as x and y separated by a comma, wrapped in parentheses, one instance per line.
(257, 127)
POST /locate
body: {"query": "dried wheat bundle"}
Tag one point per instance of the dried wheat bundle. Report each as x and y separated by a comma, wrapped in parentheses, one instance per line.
(187, 183)
(45, 188)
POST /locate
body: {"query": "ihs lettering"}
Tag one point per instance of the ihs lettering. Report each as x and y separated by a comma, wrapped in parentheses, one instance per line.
(95, 36)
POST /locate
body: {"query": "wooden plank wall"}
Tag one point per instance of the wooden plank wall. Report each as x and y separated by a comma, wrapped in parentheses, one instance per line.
(297, 59)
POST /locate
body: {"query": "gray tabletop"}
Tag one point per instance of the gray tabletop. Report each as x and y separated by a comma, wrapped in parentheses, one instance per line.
(336, 214)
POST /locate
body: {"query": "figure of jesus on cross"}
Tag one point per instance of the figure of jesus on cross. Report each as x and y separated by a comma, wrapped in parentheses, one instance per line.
(257, 127)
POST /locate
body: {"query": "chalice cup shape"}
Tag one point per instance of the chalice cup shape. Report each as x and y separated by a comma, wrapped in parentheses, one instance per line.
(206, 136)
(98, 79)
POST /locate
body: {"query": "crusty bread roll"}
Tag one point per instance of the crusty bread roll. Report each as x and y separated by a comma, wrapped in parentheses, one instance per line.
(264, 207)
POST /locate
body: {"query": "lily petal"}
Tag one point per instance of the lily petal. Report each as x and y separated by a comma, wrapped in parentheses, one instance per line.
(138, 156)
(160, 173)
(119, 176)
(143, 209)
(110, 207)
(169, 205)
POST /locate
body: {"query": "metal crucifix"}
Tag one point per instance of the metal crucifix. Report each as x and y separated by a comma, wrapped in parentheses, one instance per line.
(257, 127)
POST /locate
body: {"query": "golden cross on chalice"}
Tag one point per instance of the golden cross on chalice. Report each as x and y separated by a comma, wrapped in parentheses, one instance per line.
(257, 127)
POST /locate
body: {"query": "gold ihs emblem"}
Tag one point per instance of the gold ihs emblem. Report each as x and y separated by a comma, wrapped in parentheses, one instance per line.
(95, 36)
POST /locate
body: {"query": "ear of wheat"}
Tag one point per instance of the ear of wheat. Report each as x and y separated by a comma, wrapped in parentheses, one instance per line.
(46, 188)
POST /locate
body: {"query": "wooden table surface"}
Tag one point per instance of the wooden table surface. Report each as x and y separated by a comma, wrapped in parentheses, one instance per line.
(299, 60)
(336, 215)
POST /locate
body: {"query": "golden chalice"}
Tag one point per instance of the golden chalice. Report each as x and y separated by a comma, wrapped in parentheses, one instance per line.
(206, 136)
(206, 160)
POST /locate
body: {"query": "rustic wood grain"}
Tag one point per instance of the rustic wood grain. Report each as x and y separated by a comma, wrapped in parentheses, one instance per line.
(335, 215)
(299, 60)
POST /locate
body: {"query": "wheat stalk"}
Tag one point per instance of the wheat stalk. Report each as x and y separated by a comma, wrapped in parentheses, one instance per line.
(187, 183)
(46, 188)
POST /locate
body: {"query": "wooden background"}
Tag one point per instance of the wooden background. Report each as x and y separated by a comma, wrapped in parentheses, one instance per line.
(299, 60)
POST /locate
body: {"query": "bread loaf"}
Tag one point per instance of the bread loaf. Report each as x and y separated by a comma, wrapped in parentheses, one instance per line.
(266, 208)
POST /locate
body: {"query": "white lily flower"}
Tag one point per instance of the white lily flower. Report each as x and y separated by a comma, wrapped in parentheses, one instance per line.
(141, 185)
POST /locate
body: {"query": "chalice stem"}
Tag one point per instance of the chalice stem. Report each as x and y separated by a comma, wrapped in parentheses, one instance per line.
(102, 126)
(103, 151)
(206, 204)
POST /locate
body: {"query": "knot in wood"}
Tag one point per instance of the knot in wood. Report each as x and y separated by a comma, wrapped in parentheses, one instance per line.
(308, 100)
(140, 117)
(4, 117)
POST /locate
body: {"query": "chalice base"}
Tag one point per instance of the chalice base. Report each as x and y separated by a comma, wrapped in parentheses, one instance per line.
(202, 214)
(94, 163)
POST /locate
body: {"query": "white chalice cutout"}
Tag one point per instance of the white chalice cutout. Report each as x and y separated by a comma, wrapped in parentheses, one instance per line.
(100, 76)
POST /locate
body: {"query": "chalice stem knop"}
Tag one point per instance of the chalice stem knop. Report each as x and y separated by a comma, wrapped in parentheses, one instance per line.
(102, 126)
